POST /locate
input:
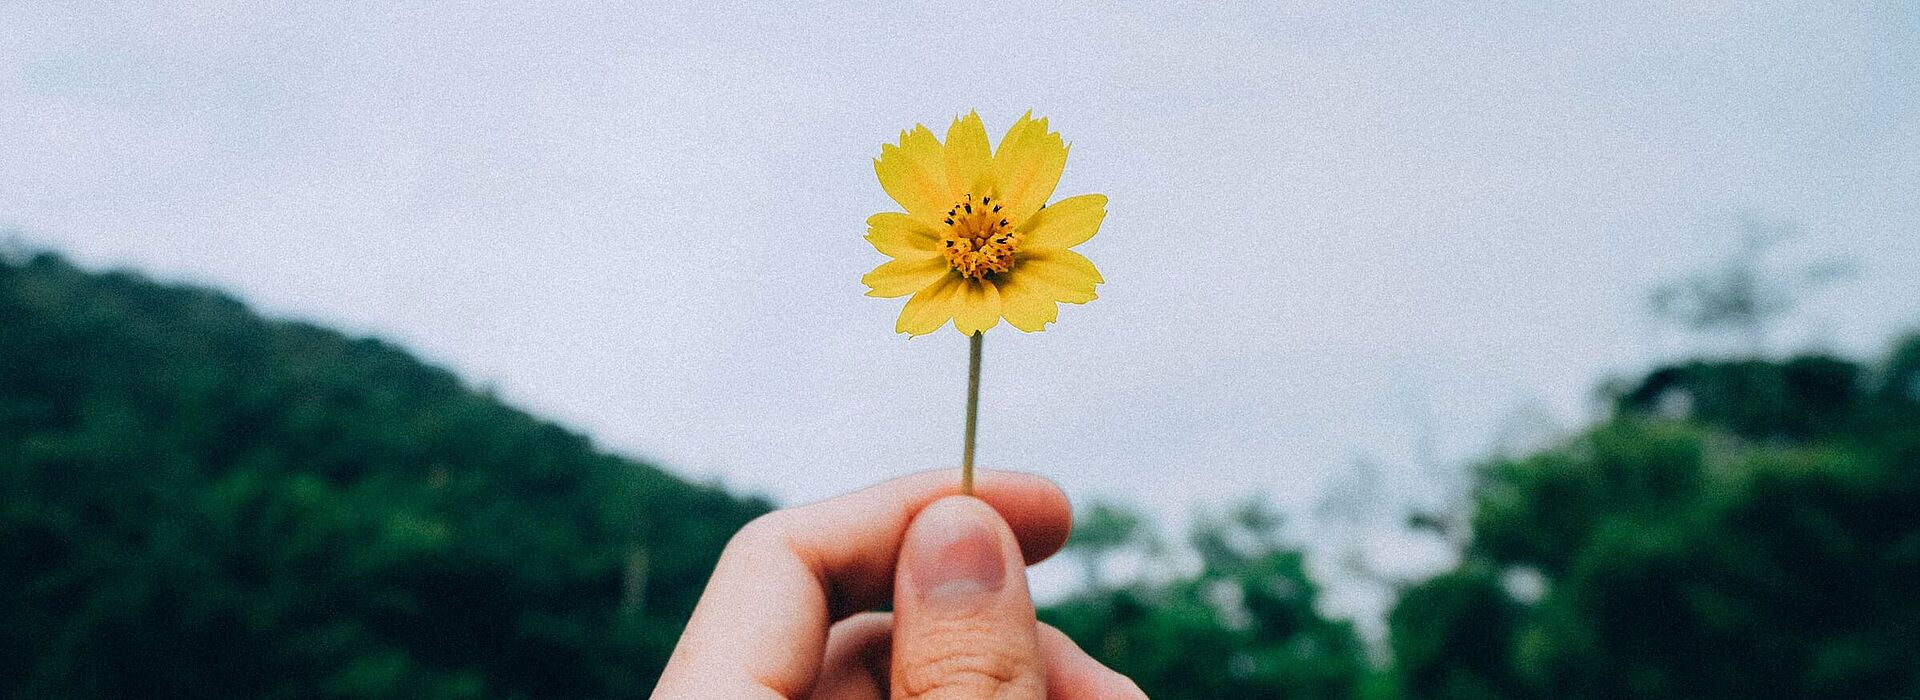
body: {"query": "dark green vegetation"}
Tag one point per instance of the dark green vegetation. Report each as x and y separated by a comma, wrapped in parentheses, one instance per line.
(1737, 530)
(1243, 627)
(200, 503)
(1741, 529)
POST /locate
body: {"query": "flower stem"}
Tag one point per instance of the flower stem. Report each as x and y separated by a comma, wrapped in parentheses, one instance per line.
(973, 412)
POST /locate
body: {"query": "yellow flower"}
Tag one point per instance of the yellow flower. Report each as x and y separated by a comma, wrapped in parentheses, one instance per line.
(978, 241)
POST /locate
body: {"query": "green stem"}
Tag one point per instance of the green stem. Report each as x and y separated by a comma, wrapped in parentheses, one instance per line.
(973, 413)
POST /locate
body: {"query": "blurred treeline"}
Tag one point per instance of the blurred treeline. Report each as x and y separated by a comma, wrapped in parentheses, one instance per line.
(201, 503)
(1735, 529)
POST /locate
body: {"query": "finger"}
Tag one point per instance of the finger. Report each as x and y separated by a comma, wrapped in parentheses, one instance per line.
(858, 651)
(1073, 675)
(963, 623)
(761, 625)
(855, 665)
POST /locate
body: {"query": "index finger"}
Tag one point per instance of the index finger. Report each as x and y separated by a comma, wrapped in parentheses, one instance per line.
(761, 625)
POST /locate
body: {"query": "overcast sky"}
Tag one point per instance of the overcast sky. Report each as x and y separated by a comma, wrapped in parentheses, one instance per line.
(1334, 228)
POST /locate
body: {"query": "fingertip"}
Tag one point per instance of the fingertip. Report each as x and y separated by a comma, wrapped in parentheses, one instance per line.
(860, 631)
(1034, 506)
(859, 651)
(963, 617)
(959, 549)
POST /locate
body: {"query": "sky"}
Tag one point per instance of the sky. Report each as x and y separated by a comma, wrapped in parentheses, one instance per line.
(1337, 232)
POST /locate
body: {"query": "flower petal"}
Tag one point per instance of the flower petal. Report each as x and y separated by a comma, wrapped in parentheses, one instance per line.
(1027, 166)
(1062, 274)
(1026, 305)
(1066, 223)
(902, 236)
(929, 308)
(904, 276)
(977, 306)
(914, 173)
(969, 158)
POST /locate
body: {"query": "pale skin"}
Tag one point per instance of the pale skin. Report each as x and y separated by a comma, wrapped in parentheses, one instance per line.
(783, 615)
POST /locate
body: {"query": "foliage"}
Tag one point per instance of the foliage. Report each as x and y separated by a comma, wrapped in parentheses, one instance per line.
(202, 503)
(1747, 292)
(1243, 627)
(1100, 530)
(1738, 529)
(1437, 655)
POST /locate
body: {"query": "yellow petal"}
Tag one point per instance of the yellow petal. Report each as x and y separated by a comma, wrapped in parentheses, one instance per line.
(1011, 141)
(902, 236)
(1062, 274)
(1066, 223)
(977, 307)
(1027, 166)
(969, 158)
(914, 173)
(904, 276)
(929, 308)
(1026, 305)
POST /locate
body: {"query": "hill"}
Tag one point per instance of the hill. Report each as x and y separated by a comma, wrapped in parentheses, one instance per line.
(202, 502)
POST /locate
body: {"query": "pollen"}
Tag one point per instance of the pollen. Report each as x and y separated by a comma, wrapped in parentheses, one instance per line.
(978, 240)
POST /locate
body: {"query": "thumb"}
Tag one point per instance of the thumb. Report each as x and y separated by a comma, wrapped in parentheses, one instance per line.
(963, 624)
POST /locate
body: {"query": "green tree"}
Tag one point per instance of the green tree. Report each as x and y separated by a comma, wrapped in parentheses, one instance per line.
(1245, 626)
(1738, 529)
(1101, 530)
(202, 503)
(1454, 637)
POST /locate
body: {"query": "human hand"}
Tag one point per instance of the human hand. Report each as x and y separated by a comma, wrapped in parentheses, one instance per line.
(781, 617)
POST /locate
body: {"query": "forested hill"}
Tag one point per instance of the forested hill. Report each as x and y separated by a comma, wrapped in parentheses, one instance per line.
(201, 502)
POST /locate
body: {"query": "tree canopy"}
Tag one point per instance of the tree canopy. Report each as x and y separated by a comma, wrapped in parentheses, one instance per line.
(203, 503)
(1738, 529)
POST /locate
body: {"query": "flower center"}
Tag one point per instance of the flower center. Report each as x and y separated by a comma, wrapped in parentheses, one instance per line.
(978, 242)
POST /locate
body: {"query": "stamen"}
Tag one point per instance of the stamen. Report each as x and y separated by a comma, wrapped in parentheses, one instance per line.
(978, 243)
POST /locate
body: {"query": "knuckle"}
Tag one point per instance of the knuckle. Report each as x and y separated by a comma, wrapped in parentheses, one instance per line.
(763, 536)
(984, 672)
(767, 530)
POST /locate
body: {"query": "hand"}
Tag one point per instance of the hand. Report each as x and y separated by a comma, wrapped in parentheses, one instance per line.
(782, 618)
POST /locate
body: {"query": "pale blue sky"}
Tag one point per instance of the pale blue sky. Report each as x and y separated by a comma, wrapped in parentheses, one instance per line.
(1333, 226)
